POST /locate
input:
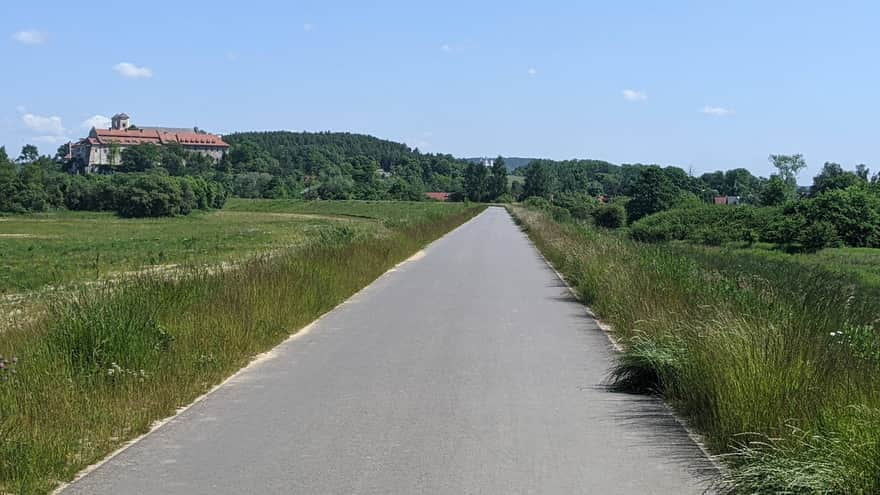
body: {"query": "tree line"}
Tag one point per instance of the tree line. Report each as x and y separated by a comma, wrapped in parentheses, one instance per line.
(840, 208)
(302, 165)
(38, 183)
(349, 166)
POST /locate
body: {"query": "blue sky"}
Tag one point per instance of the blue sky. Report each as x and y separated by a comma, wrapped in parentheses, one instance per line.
(698, 84)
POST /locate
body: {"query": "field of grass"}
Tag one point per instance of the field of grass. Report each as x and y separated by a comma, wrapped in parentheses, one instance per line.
(389, 212)
(100, 368)
(862, 263)
(57, 248)
(773, 359)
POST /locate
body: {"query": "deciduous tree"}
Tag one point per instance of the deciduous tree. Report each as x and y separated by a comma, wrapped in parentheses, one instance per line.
(653, 191)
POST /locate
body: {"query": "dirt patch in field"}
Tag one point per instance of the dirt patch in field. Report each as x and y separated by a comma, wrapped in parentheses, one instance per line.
(303, 216)
(19, 236)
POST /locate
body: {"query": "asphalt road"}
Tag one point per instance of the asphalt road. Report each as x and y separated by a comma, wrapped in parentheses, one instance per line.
(468, 370)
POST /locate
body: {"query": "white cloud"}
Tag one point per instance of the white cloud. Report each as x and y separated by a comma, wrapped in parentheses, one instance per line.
(45, 125)
(422, 145)
(30, 37)
(49, 129)
(307, 27)
(128, 69)
(97, 121)
(634, 95)
(532, 72)
(716, 111)
(446, 47)
(422, 142)
(21, 109)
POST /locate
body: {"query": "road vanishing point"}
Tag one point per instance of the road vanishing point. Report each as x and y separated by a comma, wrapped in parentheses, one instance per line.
(467, 370)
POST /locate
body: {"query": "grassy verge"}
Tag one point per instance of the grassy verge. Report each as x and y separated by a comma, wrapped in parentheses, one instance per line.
(775, 362)
(101, 369)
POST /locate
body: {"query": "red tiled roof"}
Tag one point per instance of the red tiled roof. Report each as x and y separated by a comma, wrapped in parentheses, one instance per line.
(141, 136)
(439, 196)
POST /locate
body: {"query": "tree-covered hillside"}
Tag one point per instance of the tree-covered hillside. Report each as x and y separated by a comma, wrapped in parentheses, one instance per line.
(511, 162)
(335, 166)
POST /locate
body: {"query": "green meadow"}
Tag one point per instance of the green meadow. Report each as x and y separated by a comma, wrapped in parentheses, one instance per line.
(62, 247)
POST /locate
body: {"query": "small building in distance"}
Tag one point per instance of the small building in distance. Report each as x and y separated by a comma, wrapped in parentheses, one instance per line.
(726, 200)
(103, 147)
(438, 196)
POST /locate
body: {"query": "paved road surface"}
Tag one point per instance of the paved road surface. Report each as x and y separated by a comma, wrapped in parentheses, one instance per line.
(467, 371)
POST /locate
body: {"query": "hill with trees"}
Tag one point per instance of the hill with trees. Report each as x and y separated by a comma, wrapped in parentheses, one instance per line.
(335, 166)
(511, 162)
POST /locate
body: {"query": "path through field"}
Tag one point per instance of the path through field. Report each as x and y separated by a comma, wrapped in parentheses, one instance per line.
(467, 370)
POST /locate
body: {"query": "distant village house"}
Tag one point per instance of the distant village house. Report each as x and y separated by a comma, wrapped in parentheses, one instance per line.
(103, 147)
(726, 200)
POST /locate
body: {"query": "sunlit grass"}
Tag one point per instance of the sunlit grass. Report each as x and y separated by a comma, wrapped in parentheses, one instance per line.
(64, 247)
(774, 359)
(101, 367)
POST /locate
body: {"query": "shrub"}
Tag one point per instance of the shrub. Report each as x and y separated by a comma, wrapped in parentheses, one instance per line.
(537, 202)
(581, 212)
(854, 212)
(149, 195)
(610, 216)
(818, 235)
(783, 228)
(716, 224)
(560, 214)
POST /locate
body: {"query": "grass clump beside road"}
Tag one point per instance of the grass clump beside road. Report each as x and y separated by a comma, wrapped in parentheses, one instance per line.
(774, 360)
(101, 368)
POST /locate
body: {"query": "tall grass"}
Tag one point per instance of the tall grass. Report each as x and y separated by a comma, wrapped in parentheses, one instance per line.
(774, 362)
(103, 367)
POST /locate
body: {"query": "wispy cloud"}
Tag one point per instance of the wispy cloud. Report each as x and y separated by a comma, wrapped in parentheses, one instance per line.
(48, 129)
(634, 95)
(308, 27)
(716, 111)
(456, 47)
(128, 69)
(232, 56)
(97, 121)
(30, 37)
(422, 142)
(532, 72)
